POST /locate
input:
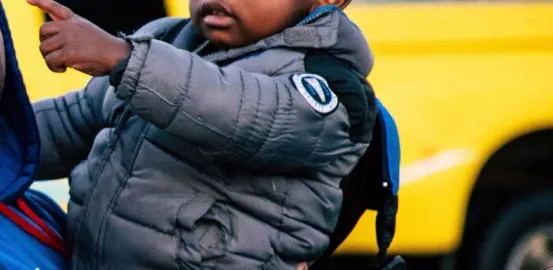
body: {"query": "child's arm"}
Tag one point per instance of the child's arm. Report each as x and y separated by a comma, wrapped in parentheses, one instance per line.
(67, 126)
(233, 116)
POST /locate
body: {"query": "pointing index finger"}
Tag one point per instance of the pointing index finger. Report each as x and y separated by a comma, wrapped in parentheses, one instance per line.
(56, 10)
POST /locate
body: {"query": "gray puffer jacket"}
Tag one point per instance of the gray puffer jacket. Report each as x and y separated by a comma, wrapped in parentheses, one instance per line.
(230, 160)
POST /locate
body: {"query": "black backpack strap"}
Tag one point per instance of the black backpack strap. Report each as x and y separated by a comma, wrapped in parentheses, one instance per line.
(385, 230)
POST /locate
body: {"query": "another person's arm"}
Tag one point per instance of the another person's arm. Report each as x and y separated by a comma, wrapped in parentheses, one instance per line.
(68, 126)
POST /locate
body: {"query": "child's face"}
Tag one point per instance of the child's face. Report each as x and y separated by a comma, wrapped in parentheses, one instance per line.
(235, 23)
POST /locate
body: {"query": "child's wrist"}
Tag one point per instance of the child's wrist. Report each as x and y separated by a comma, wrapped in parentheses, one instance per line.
(122, 60)
(120, 51)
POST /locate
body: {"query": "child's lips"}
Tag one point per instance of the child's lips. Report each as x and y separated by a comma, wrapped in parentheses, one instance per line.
(219, 20)
(216, 14)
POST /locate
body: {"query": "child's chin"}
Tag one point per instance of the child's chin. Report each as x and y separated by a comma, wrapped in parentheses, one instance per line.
(223, 43)
(225, 40)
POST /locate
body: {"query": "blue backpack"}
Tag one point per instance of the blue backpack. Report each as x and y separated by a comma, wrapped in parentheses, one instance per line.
(31, 224)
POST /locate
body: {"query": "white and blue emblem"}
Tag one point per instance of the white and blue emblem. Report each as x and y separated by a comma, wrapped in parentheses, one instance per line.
(316, 91)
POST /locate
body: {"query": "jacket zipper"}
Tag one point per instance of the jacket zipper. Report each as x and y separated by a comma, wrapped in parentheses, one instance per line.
(120, 122)
(117, 132)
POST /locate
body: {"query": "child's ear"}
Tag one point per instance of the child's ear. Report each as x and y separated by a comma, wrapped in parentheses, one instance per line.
(339, 3)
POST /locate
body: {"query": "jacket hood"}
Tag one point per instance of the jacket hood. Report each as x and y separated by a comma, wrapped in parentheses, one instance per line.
(19, 139)
(329, 28)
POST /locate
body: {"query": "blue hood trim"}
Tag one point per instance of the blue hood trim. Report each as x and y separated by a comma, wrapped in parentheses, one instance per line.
(19, 137)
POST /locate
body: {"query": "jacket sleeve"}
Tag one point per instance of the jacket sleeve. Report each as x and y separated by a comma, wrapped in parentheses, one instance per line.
(68, 126)
(234, 116)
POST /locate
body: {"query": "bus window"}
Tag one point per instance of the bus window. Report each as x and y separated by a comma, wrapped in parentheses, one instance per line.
(117, 15)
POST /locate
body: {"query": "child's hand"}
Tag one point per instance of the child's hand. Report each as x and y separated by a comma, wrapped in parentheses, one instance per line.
(74, 42)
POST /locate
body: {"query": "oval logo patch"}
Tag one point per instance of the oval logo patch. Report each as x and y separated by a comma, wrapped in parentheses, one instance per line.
(316, 91)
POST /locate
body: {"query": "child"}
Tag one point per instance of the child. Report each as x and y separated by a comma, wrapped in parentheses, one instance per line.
(222, 150)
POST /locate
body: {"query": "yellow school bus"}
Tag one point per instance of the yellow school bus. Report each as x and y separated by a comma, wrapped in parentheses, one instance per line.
(470, 86)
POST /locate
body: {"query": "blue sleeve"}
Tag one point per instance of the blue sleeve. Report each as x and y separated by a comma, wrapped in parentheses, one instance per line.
(19, 250)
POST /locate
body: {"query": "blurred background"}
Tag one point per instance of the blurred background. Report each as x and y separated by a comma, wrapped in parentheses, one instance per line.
(469, 83)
